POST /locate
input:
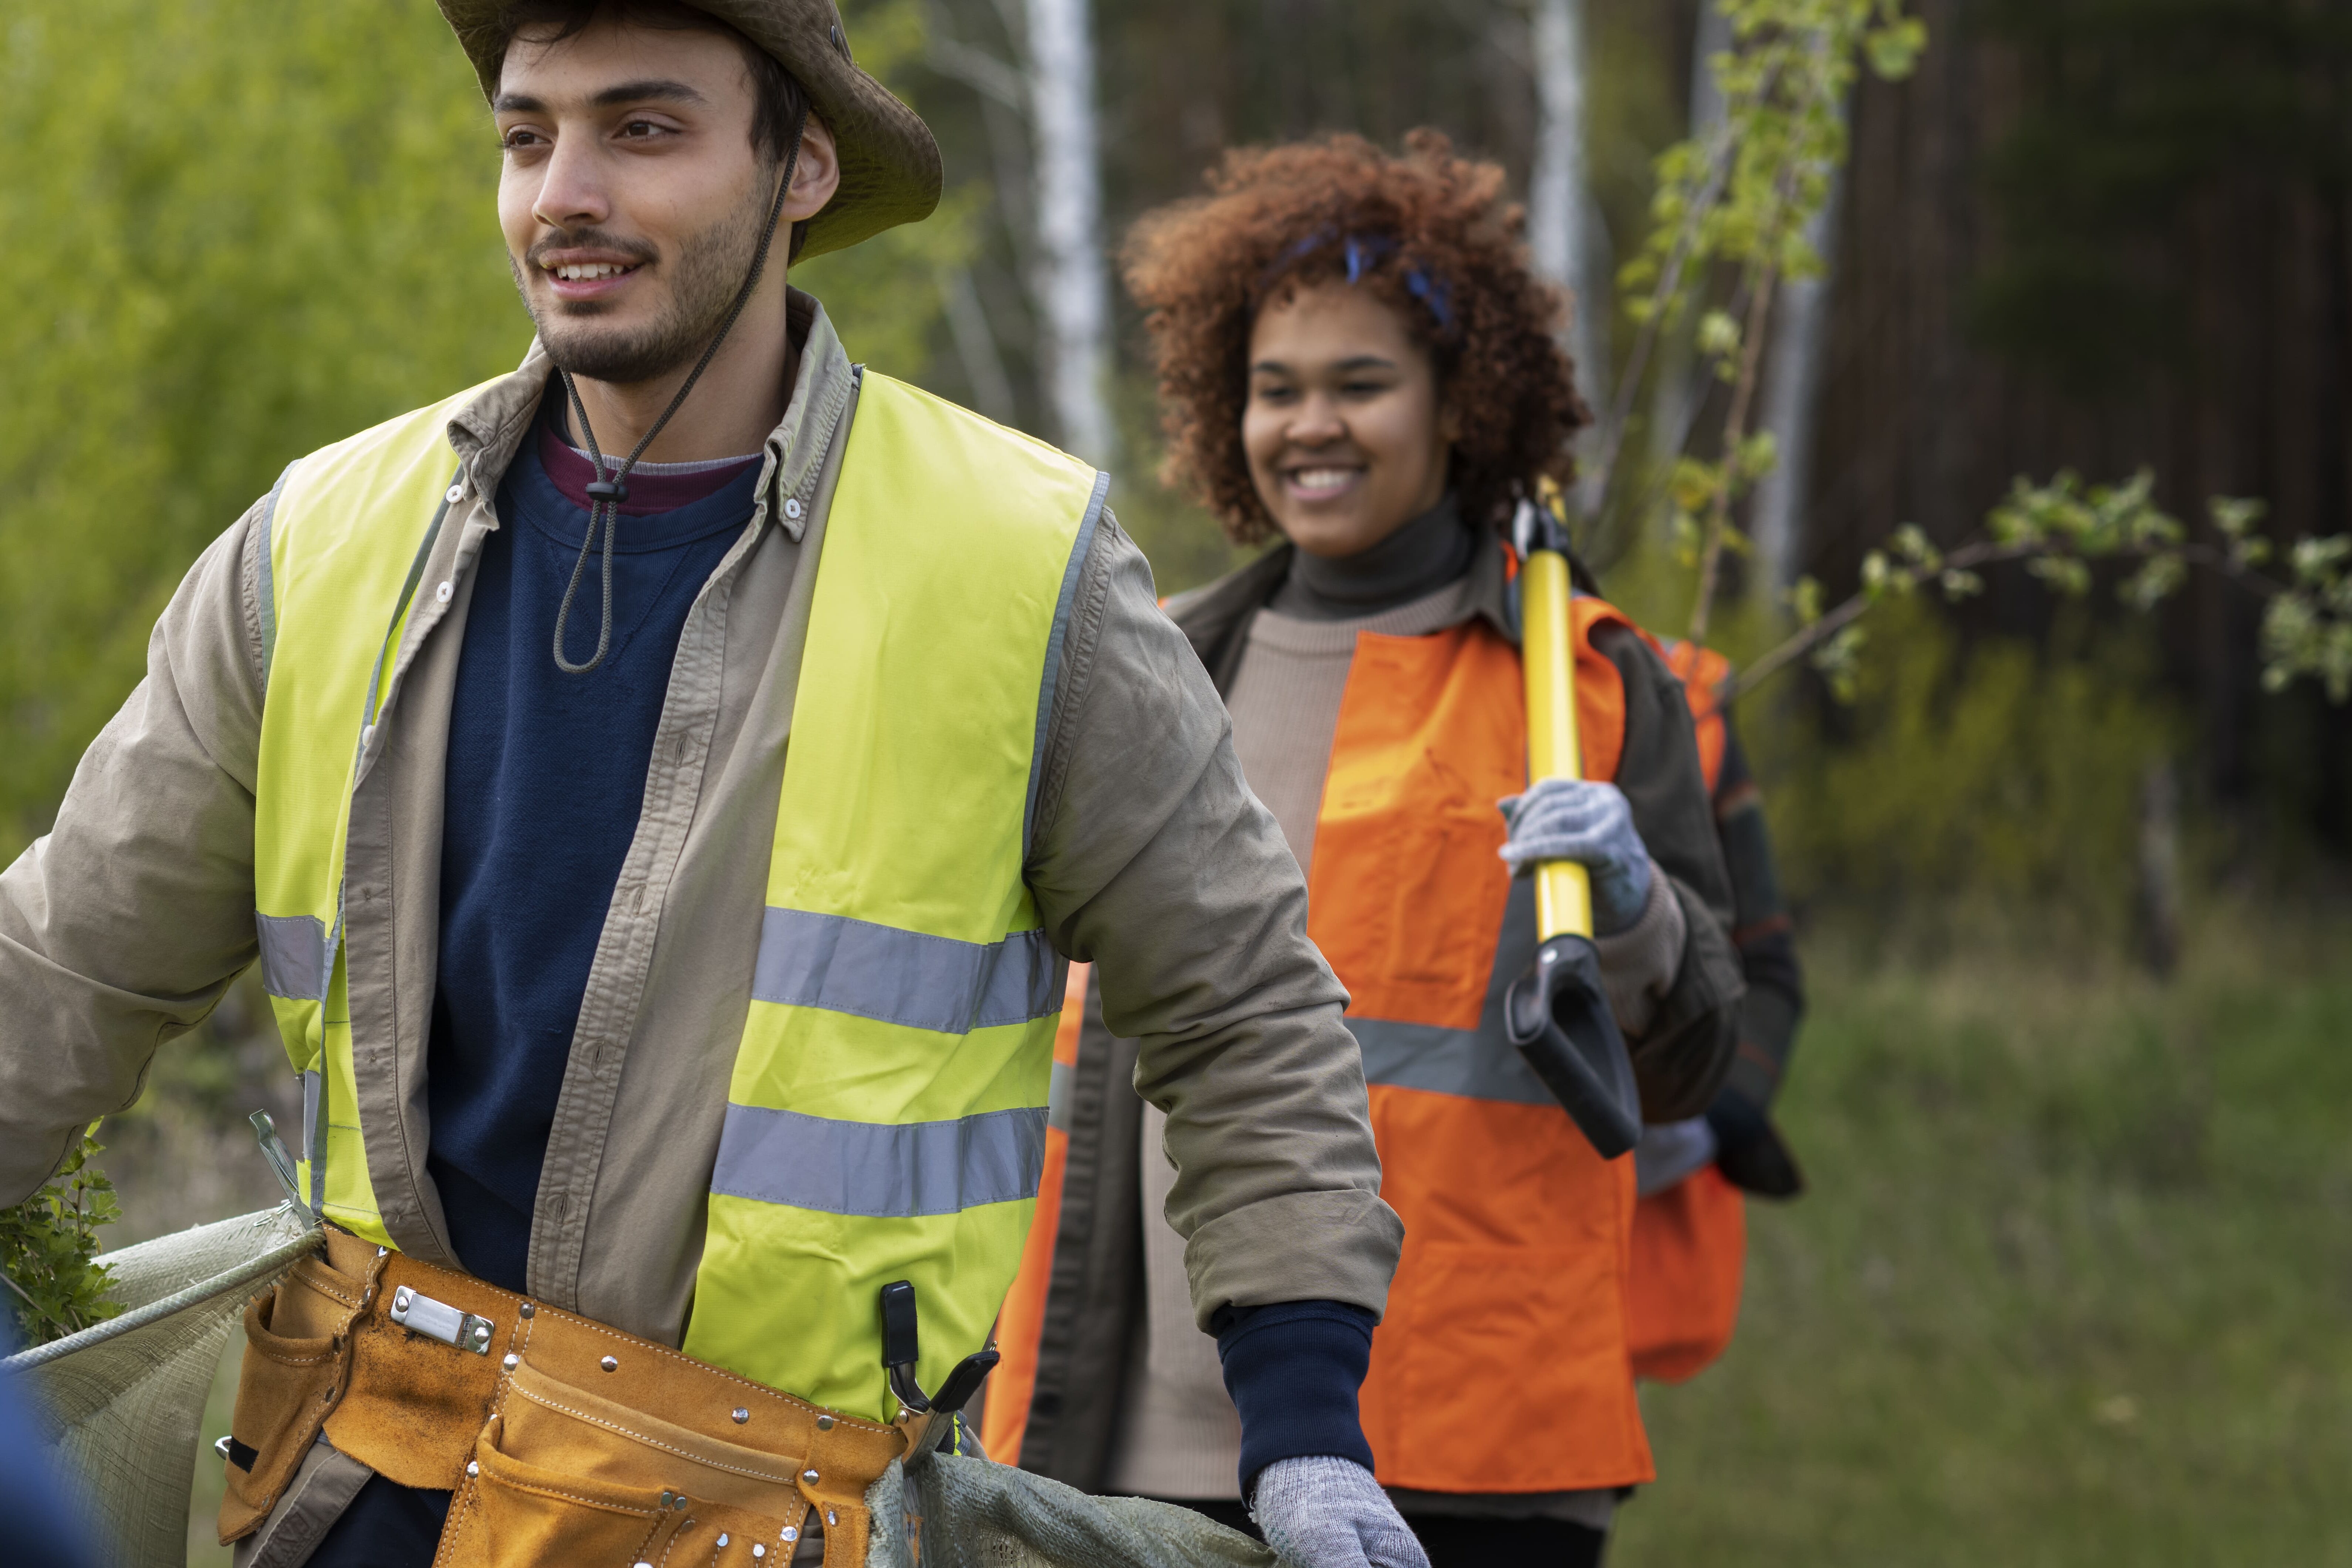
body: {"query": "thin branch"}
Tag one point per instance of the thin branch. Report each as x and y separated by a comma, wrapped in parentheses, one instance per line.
(979, 70)
(1984, 552)
(1734, 431)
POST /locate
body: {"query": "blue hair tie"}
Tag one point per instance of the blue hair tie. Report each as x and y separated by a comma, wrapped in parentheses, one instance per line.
(1363, 254)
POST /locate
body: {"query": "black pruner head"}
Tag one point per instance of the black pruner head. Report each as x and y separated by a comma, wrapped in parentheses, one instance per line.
(1558, 1015)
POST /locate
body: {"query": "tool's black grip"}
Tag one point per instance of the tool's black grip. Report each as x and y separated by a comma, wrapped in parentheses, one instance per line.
(900, 1347)
(964, 1381)
(1558, 1015)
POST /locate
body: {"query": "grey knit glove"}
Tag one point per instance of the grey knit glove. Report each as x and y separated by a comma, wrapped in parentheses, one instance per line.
(1589, 823)
(1323, 1511)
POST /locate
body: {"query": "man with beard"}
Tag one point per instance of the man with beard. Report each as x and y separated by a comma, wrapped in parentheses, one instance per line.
(661, 788)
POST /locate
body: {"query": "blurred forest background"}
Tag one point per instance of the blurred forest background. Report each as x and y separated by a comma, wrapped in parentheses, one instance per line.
(2073, 1281)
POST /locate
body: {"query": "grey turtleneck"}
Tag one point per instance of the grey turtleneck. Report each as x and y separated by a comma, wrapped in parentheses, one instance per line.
(1424, 555)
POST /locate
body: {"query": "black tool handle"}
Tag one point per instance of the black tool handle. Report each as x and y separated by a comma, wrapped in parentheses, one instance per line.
(1558, 1015)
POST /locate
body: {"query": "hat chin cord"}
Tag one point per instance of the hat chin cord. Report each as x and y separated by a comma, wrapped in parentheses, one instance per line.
(606, 494)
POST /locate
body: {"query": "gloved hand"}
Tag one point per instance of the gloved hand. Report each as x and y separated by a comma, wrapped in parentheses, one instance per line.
(1591, 824)
(1323, 1511)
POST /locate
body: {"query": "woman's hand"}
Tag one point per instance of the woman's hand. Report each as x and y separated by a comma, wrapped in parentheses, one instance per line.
(1591, 824)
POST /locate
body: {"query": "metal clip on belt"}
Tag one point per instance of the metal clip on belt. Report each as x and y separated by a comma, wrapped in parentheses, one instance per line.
(439, 1320)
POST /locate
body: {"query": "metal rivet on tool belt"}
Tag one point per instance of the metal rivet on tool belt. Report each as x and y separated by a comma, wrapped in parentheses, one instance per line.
(473, 1468)
(825, 1423)
(527, 1309)
(723, 1538)
(512, 1360)
(829, 1518)
(400, 1298)
(742, 1416)
(759, 1550)
(442, 593)
(809, 1476)
(610, 1364)
(792, 506)
(665, 1502)
(456, 494)
(792, 1532)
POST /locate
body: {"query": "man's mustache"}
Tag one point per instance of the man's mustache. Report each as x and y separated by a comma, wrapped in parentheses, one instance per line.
(638, 251)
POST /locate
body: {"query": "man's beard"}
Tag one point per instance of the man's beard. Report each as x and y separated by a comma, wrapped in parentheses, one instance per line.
(709, 273)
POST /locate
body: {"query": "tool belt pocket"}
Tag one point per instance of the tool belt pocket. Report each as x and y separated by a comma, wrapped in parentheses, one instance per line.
(560, 1475)
(296, 1351)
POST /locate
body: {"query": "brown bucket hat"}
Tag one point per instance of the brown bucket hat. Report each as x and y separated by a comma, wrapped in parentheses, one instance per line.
(889, 163)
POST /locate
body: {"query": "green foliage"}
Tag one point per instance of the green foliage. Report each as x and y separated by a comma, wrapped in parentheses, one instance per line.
(2059, 532)
(243, 229)
(1994, 779)
(48, 1251)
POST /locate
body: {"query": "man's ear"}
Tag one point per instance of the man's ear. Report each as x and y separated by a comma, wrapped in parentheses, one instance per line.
(816, 176)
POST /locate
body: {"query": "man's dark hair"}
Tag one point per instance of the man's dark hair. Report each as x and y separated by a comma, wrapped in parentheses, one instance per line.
(779, 102)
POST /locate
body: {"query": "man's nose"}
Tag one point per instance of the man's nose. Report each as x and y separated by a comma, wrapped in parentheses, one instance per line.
(572, 189)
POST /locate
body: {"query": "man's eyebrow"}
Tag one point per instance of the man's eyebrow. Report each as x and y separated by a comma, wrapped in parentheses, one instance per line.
(621, 92)
(639, 92)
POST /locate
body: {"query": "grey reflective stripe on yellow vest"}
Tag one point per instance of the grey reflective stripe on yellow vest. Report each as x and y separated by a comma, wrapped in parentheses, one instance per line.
(887, 1109)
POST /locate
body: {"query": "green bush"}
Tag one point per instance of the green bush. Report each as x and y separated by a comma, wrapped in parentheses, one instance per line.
(1992, 783)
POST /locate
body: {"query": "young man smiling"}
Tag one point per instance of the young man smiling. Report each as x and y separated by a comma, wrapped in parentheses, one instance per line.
(660, 787)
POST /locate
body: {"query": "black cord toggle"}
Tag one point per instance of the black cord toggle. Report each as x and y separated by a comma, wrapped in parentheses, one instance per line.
(612, 490)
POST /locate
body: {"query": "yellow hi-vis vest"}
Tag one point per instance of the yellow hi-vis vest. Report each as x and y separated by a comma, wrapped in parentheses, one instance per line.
(886, 1119)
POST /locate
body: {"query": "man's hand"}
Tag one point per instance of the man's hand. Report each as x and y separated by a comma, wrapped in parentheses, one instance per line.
(1323, 1511)
(1589, 823)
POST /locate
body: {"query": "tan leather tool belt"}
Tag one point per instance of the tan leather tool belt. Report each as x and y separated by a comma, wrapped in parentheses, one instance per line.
(564, 1441)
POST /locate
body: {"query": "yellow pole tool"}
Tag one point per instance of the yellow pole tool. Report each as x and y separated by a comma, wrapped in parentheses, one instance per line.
(1558, 1013)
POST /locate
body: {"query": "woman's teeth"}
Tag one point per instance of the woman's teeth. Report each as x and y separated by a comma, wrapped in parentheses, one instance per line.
(583, 271)
(1322, 481)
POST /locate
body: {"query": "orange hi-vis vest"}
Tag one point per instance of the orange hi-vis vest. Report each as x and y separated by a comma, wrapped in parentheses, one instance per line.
(1690, 1242)
(1512, 1296)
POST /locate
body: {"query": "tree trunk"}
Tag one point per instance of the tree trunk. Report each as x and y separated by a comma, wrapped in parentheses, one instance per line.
(1792, 381)
(1068, 280)
(1563, 223)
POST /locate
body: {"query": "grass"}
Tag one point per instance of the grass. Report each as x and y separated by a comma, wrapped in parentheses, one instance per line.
(2072, 1287)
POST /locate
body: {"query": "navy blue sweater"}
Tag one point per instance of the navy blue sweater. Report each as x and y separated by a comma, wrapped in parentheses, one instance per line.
(545, 777)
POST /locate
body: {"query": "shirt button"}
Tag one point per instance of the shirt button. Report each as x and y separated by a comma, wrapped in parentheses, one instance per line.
(443, 593)
(792, 507)
(456, 493)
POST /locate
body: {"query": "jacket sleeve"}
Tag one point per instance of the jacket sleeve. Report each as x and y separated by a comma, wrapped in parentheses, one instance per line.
(1693, 1030)
(1154, 861)
(121, 927)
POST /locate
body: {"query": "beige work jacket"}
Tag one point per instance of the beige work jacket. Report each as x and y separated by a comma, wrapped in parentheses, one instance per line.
(123, 927)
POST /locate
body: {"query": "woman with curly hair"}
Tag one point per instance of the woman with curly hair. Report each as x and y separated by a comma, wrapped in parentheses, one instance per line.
(1356, 360)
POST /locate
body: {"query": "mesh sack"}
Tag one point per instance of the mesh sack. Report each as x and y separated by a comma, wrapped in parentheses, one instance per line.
(124, 1400)
(949, 1512)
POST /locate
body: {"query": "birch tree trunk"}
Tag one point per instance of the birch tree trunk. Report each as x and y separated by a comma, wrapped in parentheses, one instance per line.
(1069, 280)
(1560, 205)
(1792, 382)
(1675, 404)
(1564, 230)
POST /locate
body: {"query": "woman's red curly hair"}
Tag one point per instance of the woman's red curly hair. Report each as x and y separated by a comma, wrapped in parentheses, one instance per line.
(1428, 234)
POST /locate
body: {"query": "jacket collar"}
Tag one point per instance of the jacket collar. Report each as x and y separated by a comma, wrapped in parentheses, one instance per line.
(490, 429)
